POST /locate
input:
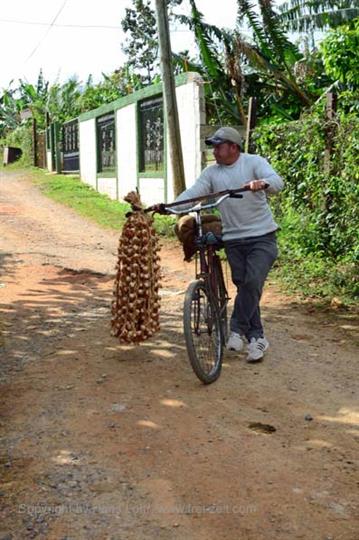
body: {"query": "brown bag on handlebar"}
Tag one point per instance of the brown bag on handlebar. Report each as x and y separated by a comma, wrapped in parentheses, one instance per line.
(185, 230)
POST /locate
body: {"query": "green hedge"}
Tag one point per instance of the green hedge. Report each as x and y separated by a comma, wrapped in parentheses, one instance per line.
(21, 137)
(318, 210)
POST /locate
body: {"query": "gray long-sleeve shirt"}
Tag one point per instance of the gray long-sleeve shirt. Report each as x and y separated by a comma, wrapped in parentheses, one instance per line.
(241, 218)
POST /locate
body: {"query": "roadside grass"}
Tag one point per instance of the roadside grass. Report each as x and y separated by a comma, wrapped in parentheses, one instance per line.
(323, 282)
(70, 191)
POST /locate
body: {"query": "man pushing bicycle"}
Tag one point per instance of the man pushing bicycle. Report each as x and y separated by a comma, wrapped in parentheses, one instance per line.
(249, 232)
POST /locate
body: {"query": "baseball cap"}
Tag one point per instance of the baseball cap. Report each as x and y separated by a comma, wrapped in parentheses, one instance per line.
(224, 134)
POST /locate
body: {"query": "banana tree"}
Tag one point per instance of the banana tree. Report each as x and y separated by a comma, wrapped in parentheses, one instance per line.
(273, 55)
(237, 68)
(224, 102)
(63, 100)
(35, 98)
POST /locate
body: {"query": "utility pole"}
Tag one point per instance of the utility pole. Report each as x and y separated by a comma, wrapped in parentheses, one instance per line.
(251, 122)
(169, 95)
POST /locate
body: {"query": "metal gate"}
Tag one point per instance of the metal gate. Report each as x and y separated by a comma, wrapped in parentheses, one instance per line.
(70, 147)
(40, 159)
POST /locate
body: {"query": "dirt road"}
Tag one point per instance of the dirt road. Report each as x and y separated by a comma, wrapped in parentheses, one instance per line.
(101, 441)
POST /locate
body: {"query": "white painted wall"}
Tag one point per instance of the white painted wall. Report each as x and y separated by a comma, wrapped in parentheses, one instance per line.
(88, 164)
(126, 145)
(107, 186)
(152, 190)
(48, 160)
(191, 112)
(190, 101)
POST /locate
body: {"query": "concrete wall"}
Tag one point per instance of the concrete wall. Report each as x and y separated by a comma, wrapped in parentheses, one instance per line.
(190, 98)
(88, 152)
(191, 112)
(152, 190)
(49, 160)
(126, 146)
(108, 186)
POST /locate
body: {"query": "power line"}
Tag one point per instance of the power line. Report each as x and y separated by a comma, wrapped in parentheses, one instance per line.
(34, 23)
(174, 28)
(48, 30)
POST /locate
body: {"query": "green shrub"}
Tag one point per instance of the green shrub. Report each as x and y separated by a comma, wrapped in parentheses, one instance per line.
(318, 209)
(340, 54)
(21, 137)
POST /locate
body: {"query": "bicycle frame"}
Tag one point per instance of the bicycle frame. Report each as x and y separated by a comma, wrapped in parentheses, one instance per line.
(206, 255)
(207, 252)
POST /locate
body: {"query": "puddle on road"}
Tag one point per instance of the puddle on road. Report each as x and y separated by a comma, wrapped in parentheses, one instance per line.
(262, 428)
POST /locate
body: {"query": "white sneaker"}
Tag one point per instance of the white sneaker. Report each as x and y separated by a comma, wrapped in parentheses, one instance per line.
(235, 342)
(256, 349)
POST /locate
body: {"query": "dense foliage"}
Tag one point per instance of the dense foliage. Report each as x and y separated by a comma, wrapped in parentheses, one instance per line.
(340, 51)
(267, 64)
(21, 137)
(318, 210)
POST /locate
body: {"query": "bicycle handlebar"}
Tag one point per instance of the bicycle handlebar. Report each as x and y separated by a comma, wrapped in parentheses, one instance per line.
(225, 194)
(199, 206)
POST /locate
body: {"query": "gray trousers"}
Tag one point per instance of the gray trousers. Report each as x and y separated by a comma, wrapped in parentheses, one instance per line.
(250, 260)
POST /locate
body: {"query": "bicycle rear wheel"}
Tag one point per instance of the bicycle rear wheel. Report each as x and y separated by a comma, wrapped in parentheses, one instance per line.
(203, 333)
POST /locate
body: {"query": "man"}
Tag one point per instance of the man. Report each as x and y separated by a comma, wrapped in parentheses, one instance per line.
(248, 232)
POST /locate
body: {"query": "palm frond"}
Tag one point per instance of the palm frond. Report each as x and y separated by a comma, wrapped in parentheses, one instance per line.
(329, 19)
(28, 91)
(285, 51)
(268, 69)
(187, 64)
(209, 29)
(204, 42)
(246, 11)
(305, 15)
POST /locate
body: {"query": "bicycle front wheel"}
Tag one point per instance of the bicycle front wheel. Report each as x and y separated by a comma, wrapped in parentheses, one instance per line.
(203, 334)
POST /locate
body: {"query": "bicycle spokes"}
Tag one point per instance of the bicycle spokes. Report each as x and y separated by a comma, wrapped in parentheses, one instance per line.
(202, 314)
(202, 328)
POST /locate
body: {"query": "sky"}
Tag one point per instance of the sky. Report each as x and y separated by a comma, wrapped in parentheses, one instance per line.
(77, 37)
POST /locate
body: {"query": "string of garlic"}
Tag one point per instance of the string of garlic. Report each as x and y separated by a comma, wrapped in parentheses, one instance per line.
(136, 301)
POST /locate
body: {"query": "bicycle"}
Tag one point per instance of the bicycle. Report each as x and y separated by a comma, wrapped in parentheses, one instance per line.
(205, 322)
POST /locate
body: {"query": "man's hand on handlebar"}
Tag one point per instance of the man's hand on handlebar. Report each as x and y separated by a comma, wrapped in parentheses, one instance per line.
(160, 208)
(257, 185)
